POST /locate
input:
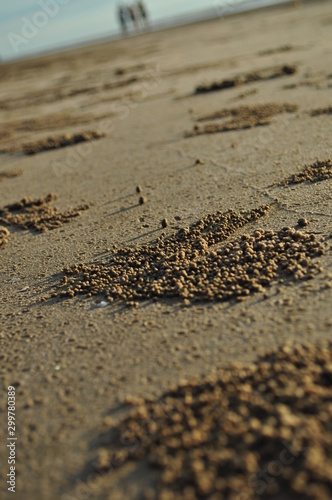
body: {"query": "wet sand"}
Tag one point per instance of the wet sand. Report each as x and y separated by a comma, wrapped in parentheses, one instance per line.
(113, 295)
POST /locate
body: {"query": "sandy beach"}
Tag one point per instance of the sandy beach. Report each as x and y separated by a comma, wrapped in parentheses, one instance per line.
(165, 217)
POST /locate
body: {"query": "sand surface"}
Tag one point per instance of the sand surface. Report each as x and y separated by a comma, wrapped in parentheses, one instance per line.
(204, 118)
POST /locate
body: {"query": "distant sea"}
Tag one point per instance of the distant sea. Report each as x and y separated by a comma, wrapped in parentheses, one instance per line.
(218, 9)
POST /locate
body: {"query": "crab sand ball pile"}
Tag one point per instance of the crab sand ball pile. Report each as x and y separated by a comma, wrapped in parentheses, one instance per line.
(263, 431)
(192, 265)
(37, 215)
(321, 170)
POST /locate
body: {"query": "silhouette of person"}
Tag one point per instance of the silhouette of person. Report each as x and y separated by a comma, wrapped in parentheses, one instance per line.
(123, 17)
(143, 12)
(133, 15)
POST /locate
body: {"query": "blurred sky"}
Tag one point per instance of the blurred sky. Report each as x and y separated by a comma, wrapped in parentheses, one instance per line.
(31, 26)
(75, 21)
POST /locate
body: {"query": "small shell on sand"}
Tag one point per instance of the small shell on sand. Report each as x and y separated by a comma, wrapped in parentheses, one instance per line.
(103, 303)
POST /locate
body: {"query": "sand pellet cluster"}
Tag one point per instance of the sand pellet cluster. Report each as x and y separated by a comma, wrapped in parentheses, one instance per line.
(186, 265)
(278, 50)
(37, 215)
(259, 111)
(248, 432)
(4, 235)
(10, 174)
(256, 76)
(60, 141)
(321, 170)
(53, 142)
(322, 111)
(242, 117)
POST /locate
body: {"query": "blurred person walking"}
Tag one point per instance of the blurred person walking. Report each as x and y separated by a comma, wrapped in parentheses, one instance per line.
(123, 17)
(134, 16)
(143, 13)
